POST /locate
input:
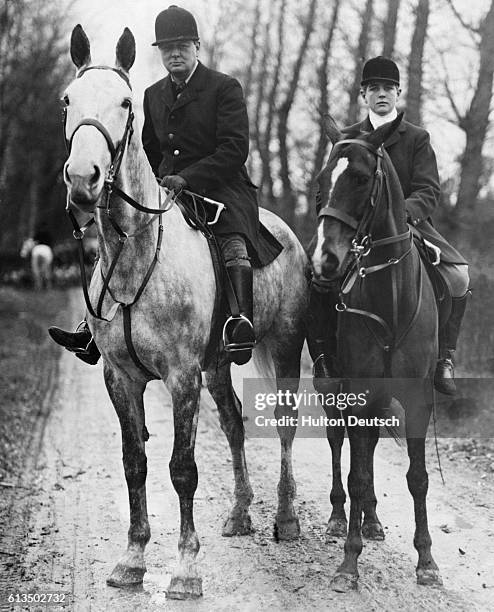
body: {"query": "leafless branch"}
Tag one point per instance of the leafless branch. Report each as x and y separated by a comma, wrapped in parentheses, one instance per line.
(472, 30)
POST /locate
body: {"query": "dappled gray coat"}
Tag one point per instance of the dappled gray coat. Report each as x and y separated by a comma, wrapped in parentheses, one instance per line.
(414, 160)
(203, 136)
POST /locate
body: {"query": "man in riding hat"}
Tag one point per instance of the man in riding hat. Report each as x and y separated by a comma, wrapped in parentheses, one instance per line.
(196, 137)
(415, 163)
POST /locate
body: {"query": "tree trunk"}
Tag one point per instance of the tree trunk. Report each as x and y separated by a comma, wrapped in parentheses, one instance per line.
(476, 121)
(323, 82)
(415, 64)
(289, 199)
(360, 57)
(389, 28)
(254, 47)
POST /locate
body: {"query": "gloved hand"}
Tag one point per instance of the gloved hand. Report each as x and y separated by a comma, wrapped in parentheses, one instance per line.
(174, 181)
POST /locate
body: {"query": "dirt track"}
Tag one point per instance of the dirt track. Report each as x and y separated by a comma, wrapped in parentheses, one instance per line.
(77, 514)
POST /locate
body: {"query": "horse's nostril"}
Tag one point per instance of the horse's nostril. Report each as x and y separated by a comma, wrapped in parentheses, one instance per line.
(330, 264)
(66, 174)
(96, 175)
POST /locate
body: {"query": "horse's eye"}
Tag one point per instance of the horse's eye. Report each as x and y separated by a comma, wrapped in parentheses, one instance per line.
(361, 180)
(65, 100)
(126, 103)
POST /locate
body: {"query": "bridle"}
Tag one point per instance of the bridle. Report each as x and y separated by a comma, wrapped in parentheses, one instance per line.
(116, 154)
(362, 245)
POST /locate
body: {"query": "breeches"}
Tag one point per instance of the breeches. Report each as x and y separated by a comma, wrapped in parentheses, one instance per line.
(234, 250)
(457, 277)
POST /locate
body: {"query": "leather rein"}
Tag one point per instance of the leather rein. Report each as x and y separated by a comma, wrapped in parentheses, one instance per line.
(362, 244)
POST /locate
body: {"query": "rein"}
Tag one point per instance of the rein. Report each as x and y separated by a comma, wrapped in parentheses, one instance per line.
(362, 244)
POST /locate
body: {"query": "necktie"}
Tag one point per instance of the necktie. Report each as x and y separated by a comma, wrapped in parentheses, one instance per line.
(179, 87)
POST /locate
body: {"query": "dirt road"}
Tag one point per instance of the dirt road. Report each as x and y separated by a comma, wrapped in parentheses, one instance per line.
(75, 509)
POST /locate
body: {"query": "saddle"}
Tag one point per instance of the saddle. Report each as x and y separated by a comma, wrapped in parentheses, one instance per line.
(195, 216)
(442, 290)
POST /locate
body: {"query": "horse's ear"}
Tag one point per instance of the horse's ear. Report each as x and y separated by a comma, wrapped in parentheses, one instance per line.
(331, 129)
(80, 51)
(126, 50)
(379, 136)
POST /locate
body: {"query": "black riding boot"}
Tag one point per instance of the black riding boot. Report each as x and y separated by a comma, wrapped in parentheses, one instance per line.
(238, 333)
(79, 342)
(321, 332)
(448, 337)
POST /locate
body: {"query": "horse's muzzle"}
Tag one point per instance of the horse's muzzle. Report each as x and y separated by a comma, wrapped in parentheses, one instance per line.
(84, 192)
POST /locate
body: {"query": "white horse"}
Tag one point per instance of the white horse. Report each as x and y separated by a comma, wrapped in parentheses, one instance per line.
(106, 170)
(41, 262)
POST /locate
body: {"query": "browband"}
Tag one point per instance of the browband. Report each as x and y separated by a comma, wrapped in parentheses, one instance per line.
(120, 73)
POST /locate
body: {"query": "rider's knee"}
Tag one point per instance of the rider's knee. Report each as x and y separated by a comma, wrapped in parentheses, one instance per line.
(457, 277)
(234, 250)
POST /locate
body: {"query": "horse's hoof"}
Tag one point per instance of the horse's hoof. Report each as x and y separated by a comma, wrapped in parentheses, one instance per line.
(123, 576)
(373, 531)
(184, 588)
(343, 583)
(429, 577)
(237, 526)
(286, 530)
(337, 528)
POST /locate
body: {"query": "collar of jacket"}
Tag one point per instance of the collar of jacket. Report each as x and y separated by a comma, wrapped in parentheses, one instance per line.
(366, 126)
(196, 83)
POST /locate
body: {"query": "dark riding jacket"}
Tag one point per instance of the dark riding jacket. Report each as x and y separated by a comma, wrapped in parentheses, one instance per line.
(203, 136)
(414, 160)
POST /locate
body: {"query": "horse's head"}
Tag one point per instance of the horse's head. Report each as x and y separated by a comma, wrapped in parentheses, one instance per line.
(98, 107)
(27, 247)
(348, 186)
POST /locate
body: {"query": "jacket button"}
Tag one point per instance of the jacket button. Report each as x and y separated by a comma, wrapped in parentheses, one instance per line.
(176, 152)
(170, 136)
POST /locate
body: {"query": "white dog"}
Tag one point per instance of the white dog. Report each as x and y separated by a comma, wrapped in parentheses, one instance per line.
(41, 262)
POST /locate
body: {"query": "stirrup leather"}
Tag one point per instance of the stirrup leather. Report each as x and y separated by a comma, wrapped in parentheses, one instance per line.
(237, 346)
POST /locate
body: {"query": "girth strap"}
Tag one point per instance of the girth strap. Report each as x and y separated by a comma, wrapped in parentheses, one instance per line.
(128, 341)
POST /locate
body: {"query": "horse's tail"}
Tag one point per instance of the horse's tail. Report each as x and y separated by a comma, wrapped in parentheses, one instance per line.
(261, 367)
(394, 409)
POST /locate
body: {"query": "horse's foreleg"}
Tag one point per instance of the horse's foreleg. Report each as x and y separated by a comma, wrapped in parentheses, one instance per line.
(337, 524)
(127, 397)
(418, 482)
(371, 527)
(185, 389)
(287, 526)
(230, 412)
(346, 576)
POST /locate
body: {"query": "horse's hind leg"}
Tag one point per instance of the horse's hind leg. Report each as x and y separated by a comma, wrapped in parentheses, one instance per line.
(287, 366)
(418, 481)
(127, 397)
(371, 527)
(185, 388)
(337, 524)
(230, 412)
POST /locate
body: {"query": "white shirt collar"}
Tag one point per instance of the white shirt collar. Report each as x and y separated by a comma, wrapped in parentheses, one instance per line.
(189, 77)
(378, 120)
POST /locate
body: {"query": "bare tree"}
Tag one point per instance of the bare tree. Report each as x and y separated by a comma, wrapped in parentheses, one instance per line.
(323, 107)
(359, 57)
(415, 64)
(475, 121)
(389, 28)
(288, 196)
(254, 47)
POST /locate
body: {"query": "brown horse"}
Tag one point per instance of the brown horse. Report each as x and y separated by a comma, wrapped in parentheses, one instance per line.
(162, 276)
(387, 327)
